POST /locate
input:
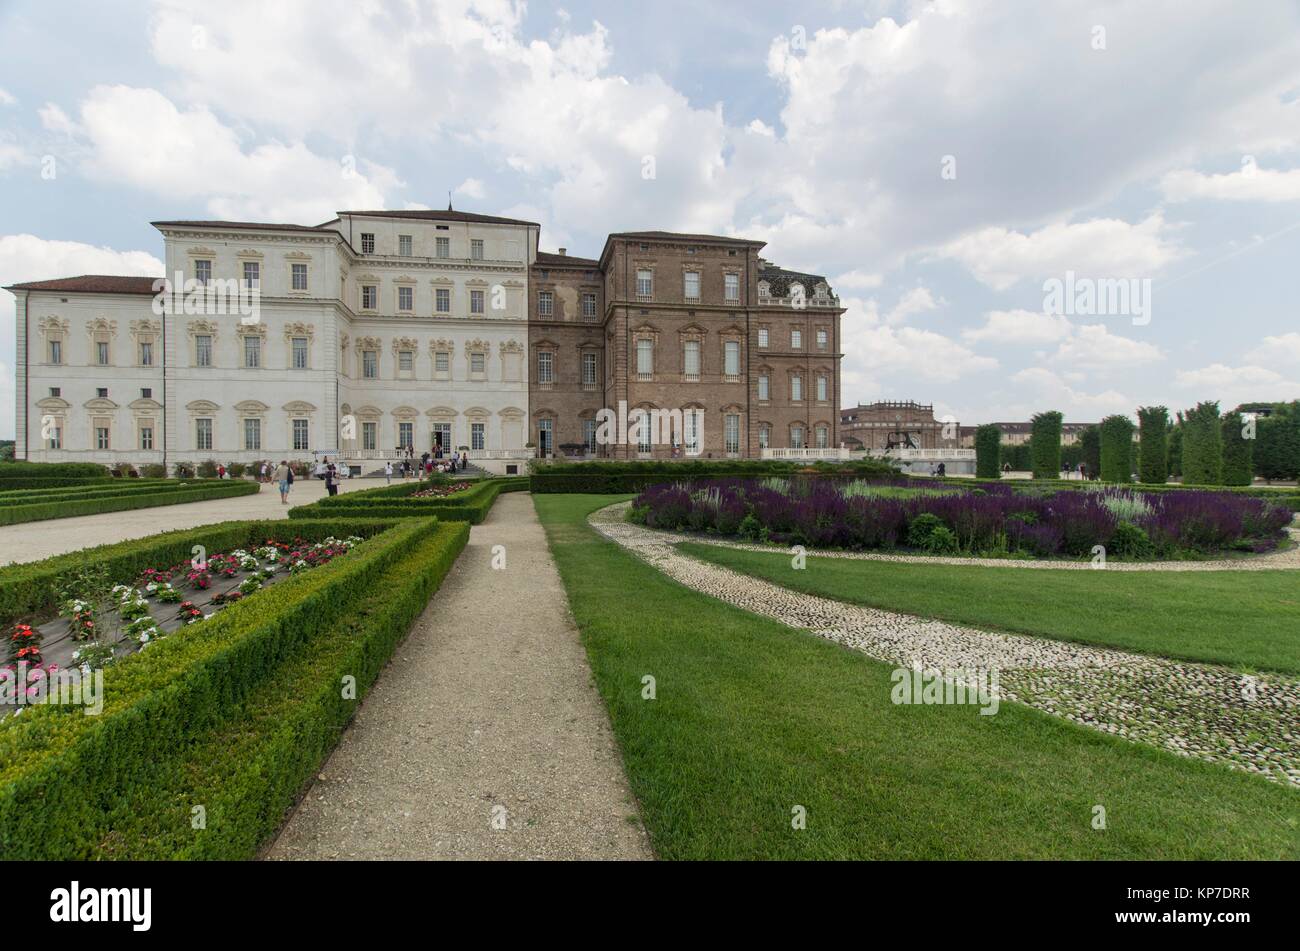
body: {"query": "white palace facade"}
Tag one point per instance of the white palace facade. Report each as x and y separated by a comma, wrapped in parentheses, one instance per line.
(375, 330)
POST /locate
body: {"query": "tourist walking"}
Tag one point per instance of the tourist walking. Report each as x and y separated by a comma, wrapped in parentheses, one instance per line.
(283, 475)
(331, 478)
(266, 472)
(388, 473)
(464, 460)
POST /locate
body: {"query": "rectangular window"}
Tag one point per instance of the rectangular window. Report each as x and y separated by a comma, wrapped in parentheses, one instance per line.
(589, 434)
(56, 391)
(796, 437)
(545, 366)
(762, 337)
(691, 360)
(252, 274)
(300, 442)
(796, 339)
(367, 243)
(55, 440)
(252, 434)
(545, 303)
(764, 437)
(476, 249)
(203, 434)
(645, 357)
(645, 284)
(101, 352)
(731, 358)
(477, 436)
(731, 284)
(102, 435)
(691, 424)
(203, 350)
(146, 353)
(762, 387)
(822, 435)
(406, 298)
(203, 271)
(476, 302)
(252, 352)
(369, 296)
(369, 435)
(823, 338)
(589, 368)
(406, 434)
(442, 435)
(442, 361)
(821, 389)
(298, 273)
(56, 351)
(544, 430)
(796, 388)
(478, 363)
(406, 361)
(692, 289)
(444, 247)
(101, 392)
(442, 300)
(404, 245)
(370, 364)
(731, 432)
(589, 306)
(146, 435)
(299, 353)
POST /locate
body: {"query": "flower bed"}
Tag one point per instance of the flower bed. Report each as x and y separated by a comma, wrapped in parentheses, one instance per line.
(79, 787)
(469, 502)
(988, 521)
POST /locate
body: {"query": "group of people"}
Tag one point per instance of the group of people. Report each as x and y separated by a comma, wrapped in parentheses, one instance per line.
(940, 470)
(427, 464)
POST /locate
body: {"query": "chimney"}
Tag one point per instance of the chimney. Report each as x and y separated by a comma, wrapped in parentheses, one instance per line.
(563, 251)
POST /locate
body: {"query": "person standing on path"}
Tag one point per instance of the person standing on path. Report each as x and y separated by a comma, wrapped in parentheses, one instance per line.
(331, 478)
(282, 475)
(388, 473)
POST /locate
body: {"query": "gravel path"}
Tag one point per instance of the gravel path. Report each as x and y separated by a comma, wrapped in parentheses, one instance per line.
(1210, 712)
(486, 716)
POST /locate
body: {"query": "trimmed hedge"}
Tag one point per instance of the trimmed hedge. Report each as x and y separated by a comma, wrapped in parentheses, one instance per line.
(93, 491)
(1202, 445)
(606, 478)
(471, 506)
(52, 470)
(1238, 466)
(71, 784)
(1277, 453)
(1045, 445)
(1117, 449)
(1153, 436)
(988, 442)
(14, 514)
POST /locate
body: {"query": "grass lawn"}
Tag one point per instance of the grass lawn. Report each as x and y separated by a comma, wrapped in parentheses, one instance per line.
(1244, 619)
(752, 719)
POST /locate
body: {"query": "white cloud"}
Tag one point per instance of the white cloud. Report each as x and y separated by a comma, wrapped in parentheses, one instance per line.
(759, 127)
(1094, 347)
(471, 188)
(1048, 390)
(918, 300)
(6, 97)
(138, 137)
(53, 119)
(857, 280)
(1102, 247)
(25, 257)
(1232, 386)
(1019, 327)
(1248, 184)
(873, 350)
(1280, 350)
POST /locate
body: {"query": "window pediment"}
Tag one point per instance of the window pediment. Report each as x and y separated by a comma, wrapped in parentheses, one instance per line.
(145, 405)
(54, 404)
(100, 405)
(251, 407)
(298, 406)
(202, 406)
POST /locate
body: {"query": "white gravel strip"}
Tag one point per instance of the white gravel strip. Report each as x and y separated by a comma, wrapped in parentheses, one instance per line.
(1206, 711)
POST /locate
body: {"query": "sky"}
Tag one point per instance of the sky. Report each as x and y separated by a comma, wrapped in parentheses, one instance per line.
(943, 162)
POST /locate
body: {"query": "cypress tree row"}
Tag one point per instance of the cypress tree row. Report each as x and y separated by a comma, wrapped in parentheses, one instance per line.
(1237, 450)
(1202, 445)
(1153, 431)
(1045, 445)
(1175, 448)
(988, 440)
(1277, 449)
(1090, 440)
(1117, 449)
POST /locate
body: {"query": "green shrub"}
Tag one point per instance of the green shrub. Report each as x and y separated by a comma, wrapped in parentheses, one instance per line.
(1117, 449)
(72, 786)
(1153, 435)
(988, 439)
(921, 528)
(1130, 541)
(604, 478)
(1238, 468)
(136, 496)
(1045, 445)
(471, 505)
(1277, 449)
(1090, 446)
(941, 541)
(1202, 445)
(154, 470)
(52, 470)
